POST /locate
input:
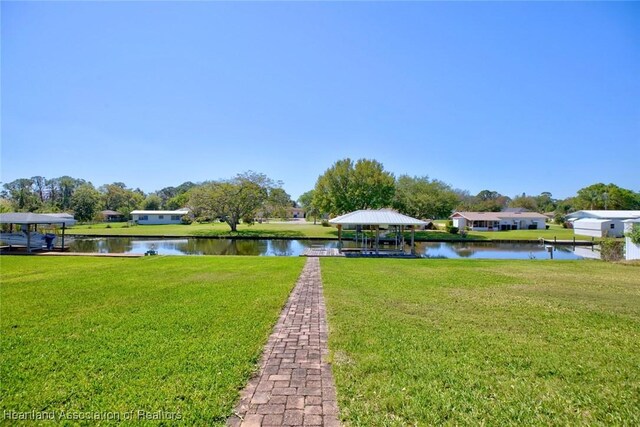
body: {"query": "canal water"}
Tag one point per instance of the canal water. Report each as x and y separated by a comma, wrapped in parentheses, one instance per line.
(190, 246)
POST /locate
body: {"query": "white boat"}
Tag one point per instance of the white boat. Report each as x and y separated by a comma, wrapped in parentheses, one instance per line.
(36, 240)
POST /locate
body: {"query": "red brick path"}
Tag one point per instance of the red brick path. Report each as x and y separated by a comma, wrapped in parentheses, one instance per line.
(295, 386)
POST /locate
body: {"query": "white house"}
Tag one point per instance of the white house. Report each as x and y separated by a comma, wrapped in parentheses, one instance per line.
(631, 250)
(158, 217)
(600, 223)
(495, 221)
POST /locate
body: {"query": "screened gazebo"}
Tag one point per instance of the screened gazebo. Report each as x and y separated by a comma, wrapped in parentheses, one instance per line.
(386, 220)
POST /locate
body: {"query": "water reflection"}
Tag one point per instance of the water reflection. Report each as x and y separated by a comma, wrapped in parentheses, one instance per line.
(111, 245)
(190, 246)
(493, 250)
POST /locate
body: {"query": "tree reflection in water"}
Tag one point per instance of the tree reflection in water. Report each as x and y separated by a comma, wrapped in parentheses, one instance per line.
(278, 247)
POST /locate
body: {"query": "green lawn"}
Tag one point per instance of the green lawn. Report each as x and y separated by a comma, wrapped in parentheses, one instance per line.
(461, 342)
(302, 230)
(553, 231)
(264, 230)
(175, 334)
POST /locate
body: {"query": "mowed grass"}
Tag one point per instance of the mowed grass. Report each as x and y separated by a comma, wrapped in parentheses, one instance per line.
(307, 230)
(264, 230)
(554, 231)
(473, 342)
(176, 334)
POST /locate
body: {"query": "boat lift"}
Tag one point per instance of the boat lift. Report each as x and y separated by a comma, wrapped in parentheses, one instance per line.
(26, 220)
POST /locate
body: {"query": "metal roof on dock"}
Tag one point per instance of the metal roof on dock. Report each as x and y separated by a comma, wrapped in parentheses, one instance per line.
(33, 218)
(376, 217)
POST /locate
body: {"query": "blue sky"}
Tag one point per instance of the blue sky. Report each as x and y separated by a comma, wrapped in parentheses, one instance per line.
(512, 97)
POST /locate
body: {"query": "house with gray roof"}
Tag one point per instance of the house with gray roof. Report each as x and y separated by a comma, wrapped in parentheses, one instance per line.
(498, 221)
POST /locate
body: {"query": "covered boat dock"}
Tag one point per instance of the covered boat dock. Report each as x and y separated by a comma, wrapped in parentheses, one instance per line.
(28, 224)
(370, 220)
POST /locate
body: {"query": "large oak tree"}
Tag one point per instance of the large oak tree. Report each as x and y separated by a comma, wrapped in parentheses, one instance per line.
(347, 186)
(233, 200)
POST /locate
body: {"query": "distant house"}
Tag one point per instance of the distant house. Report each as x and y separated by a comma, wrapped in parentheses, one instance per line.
(295, 213)
(600, 223)
(498, 221)
(631, 250)
(158, 217)
(111, 216)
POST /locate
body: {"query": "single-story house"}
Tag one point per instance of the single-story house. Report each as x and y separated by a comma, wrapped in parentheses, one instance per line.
(111, 216)
(158, 217)
(495, 221)
(600, 223)
(631, 250)
(295, 213)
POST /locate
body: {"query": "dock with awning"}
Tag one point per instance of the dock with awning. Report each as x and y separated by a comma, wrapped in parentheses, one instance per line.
(375, 220)
(28, 221)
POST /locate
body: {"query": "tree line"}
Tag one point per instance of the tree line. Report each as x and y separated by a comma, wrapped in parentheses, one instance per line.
(364, 184)
(241, 198)
(344, 187)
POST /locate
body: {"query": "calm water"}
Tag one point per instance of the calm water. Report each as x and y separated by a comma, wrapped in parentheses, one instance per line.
(495, 250)
(186, 246)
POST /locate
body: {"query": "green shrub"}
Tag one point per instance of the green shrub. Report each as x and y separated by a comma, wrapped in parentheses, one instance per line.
(634, 234)
(611, 249)
(560, 218)
(108, 226)
(450, 228)
(325, 223)
(186, 219)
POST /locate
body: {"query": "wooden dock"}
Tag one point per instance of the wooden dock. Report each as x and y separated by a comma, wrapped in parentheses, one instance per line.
(322, 252)
(573, 242)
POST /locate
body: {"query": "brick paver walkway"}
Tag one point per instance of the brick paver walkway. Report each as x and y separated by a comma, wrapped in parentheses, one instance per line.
(295, 386)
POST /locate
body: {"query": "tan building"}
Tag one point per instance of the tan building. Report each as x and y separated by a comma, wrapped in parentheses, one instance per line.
(499, 221)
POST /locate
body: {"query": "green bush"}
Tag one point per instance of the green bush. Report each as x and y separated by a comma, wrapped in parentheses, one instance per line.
(559, 218)
(450, 228)
(634, 234)
(611, 249)
(186, 219)
(325, 223)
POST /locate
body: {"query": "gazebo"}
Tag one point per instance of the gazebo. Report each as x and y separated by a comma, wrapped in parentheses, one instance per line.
(377, 220)
(27, 219)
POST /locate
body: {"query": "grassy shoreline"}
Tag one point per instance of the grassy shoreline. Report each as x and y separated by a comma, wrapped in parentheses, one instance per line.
(473, 342)
(176, 334)
(307, 231)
